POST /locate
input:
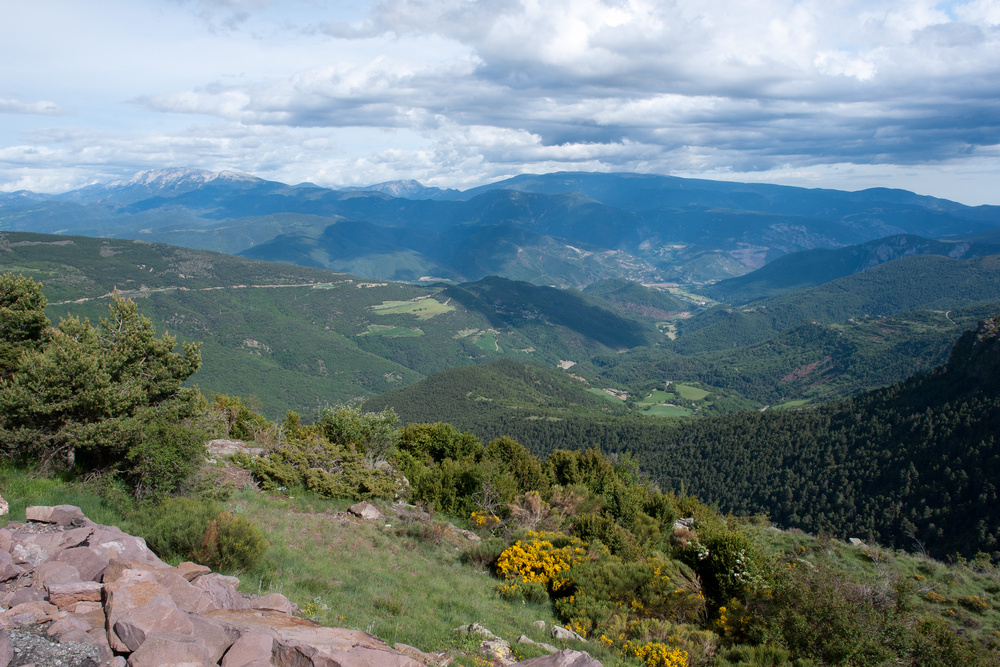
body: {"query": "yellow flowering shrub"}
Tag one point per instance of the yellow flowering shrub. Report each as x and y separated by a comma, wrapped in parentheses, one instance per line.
(656, 654)
(484, 520)
(538, 560)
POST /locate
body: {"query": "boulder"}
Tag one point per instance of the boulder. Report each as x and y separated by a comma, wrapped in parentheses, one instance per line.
(565, 634)
(61, 515)
(185, 595)
(64, 595)
(192, 571)
(6, 652)
(4, 507)
(299, 641)
(90, 563)
(221, 591)
(274, 602)
(53, 572)
(111, 542)
(166, 649)
(136, 590)
(133, 626)
(217, 638)
(8, 568)
(525, 639)
(22, 595)
(366, 510)
(251, 650)
(564, 658)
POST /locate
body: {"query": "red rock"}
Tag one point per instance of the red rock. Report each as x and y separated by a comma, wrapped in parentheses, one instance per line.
(250, 650)
(39, 611)
(113, 543)
(133, 626)
(64, 595)
(192, 571)
(217, 638)
(221, 591)
(90, 563)
(166, 649)
(184, 594)
(8, 568)
(53, 572)
(67, 624)
(61, 515)
(135, 590)
(274, 602)
(6, 652)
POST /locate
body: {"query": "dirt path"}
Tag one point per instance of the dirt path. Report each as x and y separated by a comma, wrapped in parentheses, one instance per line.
(181, 288)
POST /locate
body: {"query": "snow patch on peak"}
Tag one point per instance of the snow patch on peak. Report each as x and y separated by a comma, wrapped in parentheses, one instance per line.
(178, 176)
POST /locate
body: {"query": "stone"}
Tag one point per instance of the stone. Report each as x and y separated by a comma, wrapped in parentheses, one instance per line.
(437, 659)
(855, 542)
(539, 624)
(23, 595)
(217, 638)
(4, 507)
(36, 548)
(366, 510)
(68, 624)
(251, 650)
(6, 652)
(185, 595)
(90, 563)
(61, 515)
(299, 641)
(565, 634)
(135, 590)
(64, 595)
(525, 639)
(475, 629)
(53, 572)
(223, 447)
(221, 591)
(135, 625)
(192, 571)
(167, 649)
(274, 602)
(497, 651)
(8, 568)
(37, 612)
(112, 543)
(564, 658)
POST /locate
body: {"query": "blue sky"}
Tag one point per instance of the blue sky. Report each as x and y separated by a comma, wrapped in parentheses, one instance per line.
(455, 93)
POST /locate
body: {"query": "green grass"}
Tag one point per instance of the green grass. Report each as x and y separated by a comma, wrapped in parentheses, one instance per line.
(668, 411)
(690, 393)
(657, 397)
(23, 488)
(488, 342)
(790, 404)
(423, 309)
(392, 332)
(605, 395)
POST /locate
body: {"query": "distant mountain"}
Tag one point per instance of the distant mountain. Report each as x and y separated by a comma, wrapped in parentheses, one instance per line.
(406, 189)
(583, 227)
(809, 268)
(928, 282)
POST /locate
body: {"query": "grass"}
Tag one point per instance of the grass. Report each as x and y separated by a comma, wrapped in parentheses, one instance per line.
(423, 309)
(690, 393)
(790, 404)
(604, 394)
(656, 398)
(379, 577)
(488, 342)
(668, 411)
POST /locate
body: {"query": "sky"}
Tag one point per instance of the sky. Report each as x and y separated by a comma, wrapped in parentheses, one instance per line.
(845, 94)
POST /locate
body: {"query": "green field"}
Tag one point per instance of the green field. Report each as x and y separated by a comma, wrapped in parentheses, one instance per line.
(790, 404)
(604, 394)
(690, 393)
(423, 309)
(488, 342)
(392, 332)
(656, 398)
(667, 411)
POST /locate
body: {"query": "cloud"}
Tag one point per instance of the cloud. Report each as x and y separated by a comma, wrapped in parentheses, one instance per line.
(40, 108)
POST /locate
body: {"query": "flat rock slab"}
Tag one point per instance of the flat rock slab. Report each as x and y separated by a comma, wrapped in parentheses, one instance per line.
(564, 658)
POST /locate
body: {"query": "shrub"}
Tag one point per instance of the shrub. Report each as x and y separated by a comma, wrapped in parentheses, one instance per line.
(232, 544)
(539, 559)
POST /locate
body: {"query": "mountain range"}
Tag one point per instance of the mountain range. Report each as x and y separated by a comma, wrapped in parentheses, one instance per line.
(561, 229)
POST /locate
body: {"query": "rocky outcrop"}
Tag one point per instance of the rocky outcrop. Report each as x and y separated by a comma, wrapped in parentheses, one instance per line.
(101, 595)
(79, 594)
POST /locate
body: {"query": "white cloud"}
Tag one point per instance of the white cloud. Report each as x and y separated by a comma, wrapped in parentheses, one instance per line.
(451, 91)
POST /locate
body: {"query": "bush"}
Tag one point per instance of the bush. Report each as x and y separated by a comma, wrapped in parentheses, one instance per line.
(232, 544)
